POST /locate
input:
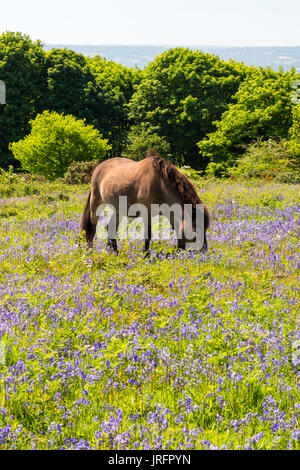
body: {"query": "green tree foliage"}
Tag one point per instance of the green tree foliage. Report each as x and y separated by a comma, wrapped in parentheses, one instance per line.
(68, 80)
(142, 138)
(262, 108)
(91, 88)
(115, 77)
(182, 93)
(182, 102)
(57, 140)
(22, 63)
(73, 89)
(118, 84)
(294, 142)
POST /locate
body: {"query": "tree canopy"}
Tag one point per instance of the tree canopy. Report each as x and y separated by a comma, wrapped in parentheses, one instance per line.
(262, 108)
(64, 81)
(118, 84)
(22, 63)
(194, 108)
(180, 96)
(294, 133)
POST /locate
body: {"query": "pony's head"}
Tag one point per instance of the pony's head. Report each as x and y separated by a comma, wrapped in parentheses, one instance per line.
(193, 227)
(195, 219)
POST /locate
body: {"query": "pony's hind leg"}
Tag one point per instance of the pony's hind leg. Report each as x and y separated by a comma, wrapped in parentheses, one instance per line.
(94, 216)
(87, 225)
(90, 235)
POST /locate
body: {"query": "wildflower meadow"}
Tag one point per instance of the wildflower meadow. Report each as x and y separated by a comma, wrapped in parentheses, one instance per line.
(176, 351)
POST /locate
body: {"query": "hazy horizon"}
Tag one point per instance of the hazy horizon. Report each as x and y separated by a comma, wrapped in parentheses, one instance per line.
(168, 45)
(140, 55)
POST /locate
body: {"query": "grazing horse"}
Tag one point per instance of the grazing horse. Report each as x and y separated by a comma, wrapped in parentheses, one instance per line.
(150, 181)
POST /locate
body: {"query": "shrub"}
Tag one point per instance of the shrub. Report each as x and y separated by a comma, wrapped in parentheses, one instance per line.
(294, 142)
(80, 172)
(140, 139)
(266, 159)
(288, 177)
(55, 141)
(30, 178)
(191, 173)
(216, 170)
(8, 177)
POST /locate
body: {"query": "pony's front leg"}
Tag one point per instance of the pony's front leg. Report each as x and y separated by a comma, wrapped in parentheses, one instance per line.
(112, 243)
(147, 236)
(180, 244)
(112, 229)
(177, 226)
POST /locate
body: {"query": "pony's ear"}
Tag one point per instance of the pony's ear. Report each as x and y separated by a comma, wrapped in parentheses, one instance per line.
(170, 173)
(152, 153)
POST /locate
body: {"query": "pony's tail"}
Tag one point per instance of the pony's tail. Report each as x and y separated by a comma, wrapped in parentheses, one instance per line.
(206, 226)
(85, 222)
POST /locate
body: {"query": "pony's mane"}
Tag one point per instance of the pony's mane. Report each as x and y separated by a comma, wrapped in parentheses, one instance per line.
(173, 177)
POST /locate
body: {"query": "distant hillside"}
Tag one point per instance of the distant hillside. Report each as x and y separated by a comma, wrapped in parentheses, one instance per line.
(131, 56)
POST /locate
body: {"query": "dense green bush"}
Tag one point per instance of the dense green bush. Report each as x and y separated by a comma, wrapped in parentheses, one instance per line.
(57, 140)
(294, 142)
(191, 174)
(32, 178)
(142, 138)
(262, 108)
(80, 172)
(10, 177)
(19, 184)
(266, 159)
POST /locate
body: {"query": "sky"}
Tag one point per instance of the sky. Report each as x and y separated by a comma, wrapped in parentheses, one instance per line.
(155, 22)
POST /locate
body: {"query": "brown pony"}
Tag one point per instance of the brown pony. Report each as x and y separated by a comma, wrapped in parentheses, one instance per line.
(149, 181)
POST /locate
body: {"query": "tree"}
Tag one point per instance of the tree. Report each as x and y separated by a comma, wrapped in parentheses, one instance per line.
(91, 88)
(294, 133)
(57, 140)
(118, 83)
(73, 89)
(68, 77)
(22, 69)
(182, 92)
(262, 108)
